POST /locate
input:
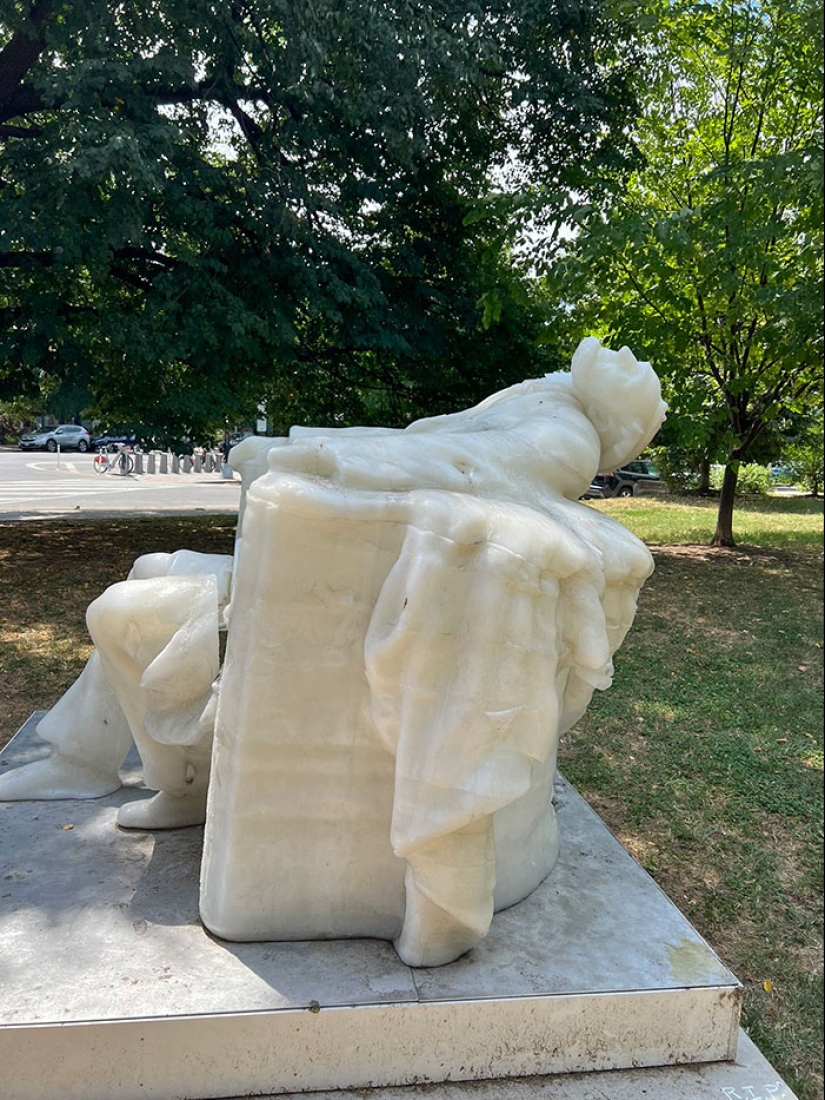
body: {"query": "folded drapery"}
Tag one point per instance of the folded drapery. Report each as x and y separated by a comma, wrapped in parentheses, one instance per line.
(488, 633)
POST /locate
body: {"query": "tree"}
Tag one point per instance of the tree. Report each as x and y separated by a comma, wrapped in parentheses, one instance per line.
(805, 451)
(206, 204)
(710, 260)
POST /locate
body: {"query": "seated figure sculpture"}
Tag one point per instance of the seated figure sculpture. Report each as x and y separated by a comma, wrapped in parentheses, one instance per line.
(415, 617)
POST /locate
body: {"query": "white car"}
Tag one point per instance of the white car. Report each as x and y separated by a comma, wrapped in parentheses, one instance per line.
(68, 437)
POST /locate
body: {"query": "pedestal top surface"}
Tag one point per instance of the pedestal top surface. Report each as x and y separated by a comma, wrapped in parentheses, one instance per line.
(100, 923)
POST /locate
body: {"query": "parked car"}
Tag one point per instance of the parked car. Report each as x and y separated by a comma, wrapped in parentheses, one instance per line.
(112, 441)
(631, 480)
(68, 437)
(784, 474)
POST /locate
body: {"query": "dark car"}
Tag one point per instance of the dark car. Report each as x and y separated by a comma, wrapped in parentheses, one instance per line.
(114, 441)
(68, 437)
(631, 480)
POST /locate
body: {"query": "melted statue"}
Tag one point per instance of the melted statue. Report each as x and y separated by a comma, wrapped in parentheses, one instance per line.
(413, 619)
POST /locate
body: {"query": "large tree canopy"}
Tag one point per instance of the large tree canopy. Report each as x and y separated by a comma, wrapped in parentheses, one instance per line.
(207, 205)
(710, 260)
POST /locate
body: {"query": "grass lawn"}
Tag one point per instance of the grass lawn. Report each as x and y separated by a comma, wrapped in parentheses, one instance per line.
(705, 757)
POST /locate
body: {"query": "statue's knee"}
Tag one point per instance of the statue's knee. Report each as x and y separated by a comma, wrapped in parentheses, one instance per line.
(109, 616)
(150, 565)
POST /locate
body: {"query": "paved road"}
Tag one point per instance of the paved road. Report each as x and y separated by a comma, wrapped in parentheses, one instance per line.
(33, 485)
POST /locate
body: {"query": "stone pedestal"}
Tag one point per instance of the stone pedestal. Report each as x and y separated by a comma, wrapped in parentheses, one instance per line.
(111, 988)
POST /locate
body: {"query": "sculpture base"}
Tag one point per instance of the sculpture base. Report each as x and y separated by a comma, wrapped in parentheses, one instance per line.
(112, 989)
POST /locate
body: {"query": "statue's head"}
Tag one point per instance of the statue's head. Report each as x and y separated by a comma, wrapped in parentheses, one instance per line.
(621, 397)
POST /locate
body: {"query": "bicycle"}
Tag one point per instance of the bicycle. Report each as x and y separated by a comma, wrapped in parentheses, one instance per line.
(115, 459)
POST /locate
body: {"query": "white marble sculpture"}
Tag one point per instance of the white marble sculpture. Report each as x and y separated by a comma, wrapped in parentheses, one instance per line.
(416, 616)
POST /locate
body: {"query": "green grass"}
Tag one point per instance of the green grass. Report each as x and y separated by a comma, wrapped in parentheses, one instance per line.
(760, 521)
(705, 757)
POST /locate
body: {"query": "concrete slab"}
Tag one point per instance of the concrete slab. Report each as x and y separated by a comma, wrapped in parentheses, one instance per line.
(109, 986)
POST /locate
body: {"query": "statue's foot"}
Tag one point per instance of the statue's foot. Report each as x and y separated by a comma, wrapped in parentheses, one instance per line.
(430, 937)
(449, 886)
(164, 811)
(56, 777)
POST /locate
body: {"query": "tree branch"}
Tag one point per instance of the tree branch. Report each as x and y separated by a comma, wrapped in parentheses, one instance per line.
(17, 58)
(23, 49)
(20, 101)
(26, 259)
(706, 340)
(637, 286)
(20, 131)
(130, 278)
(145, 255)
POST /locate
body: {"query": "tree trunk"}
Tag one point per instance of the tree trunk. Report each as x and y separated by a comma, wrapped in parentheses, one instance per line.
(724, 518)
(704, 477)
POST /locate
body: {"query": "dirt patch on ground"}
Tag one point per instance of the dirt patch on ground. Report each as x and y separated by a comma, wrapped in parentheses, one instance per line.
(703, 554)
